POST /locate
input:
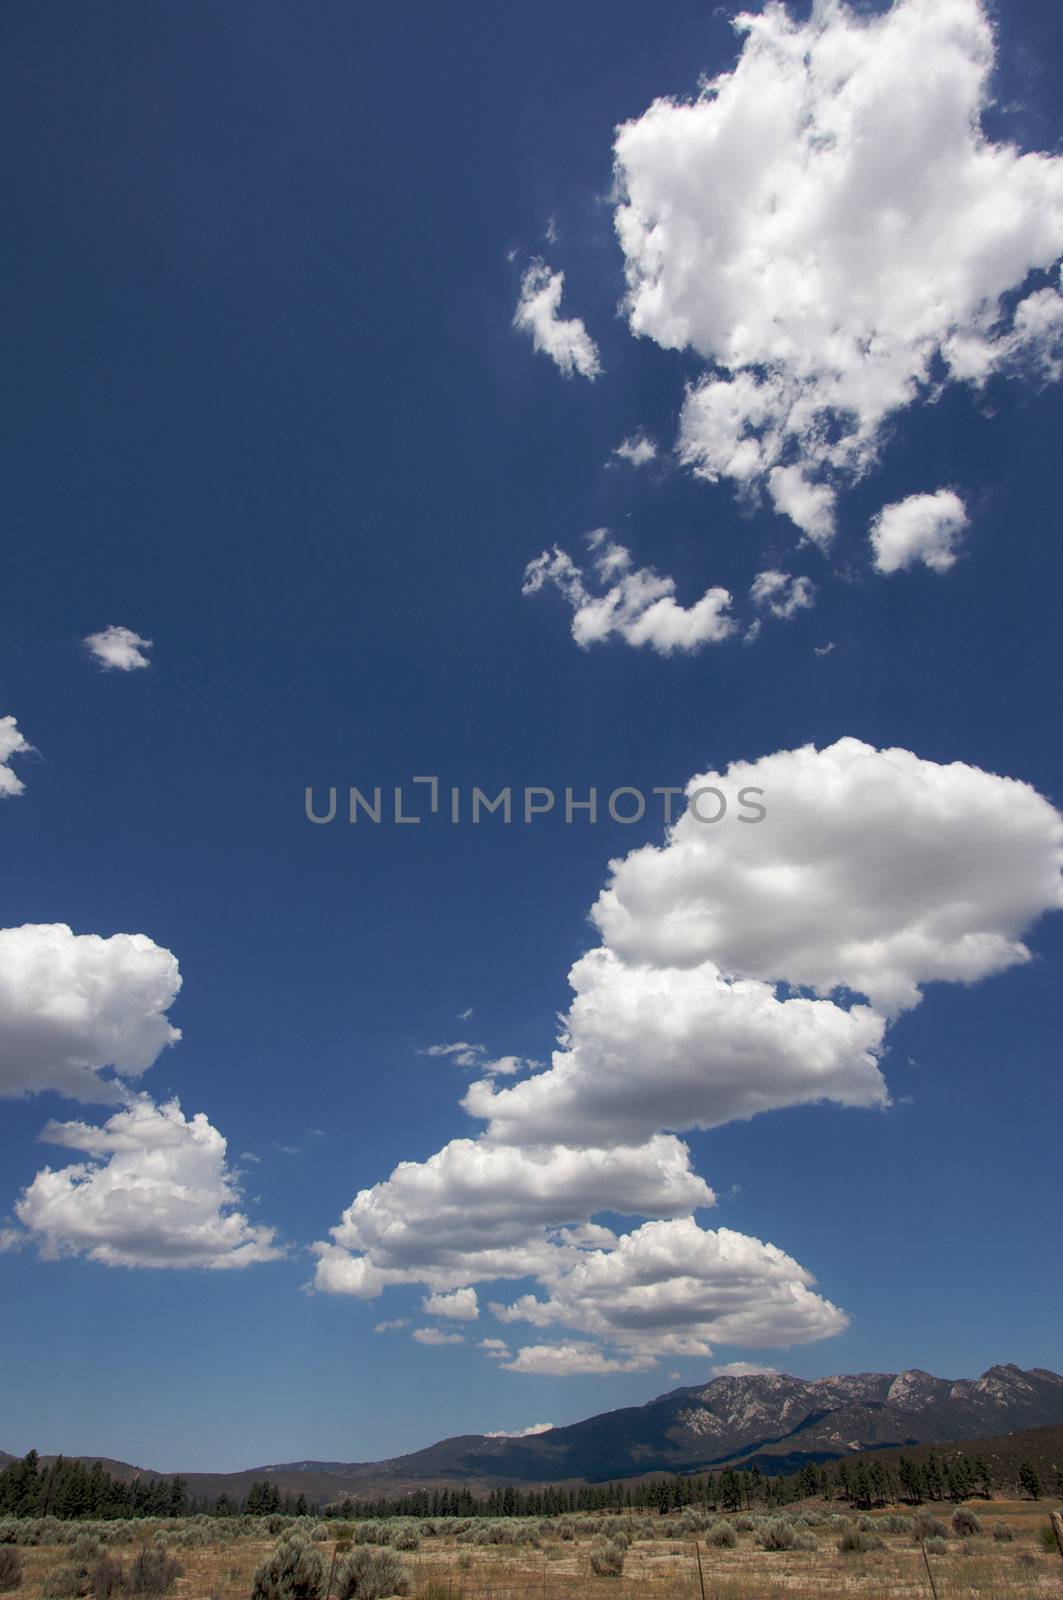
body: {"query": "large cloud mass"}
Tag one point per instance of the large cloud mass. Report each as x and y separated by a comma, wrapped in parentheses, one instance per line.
(826, 223)
(482, 1210)
(743, 966)
(155, 1191)
(74, 1004)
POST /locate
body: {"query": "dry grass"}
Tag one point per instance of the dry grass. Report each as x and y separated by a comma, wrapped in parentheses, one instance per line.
(976, 1568)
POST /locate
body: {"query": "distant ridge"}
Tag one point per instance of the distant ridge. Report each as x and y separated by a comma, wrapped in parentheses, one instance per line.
(773, 1420)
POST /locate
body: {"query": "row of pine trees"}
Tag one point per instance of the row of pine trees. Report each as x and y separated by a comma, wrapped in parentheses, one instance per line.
(70, 1490)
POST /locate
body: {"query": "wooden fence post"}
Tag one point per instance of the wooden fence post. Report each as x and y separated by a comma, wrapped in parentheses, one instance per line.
(1057, 1528)
(701, 1575)
(929, 1573)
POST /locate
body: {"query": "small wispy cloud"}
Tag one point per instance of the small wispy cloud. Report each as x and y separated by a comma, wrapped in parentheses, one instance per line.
(636, 450)
(12, 743)
(118, 649)
(464, 1054)
(564, 339)
(520, 1433)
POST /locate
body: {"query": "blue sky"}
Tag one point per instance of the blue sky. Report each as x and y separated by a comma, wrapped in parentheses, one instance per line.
(266, 407)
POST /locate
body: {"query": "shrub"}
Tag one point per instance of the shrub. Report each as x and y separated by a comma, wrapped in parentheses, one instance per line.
(936, 1545)
(1002, 1533)
(894, 1523)
(855, 1541)
(607, 1558)
(778, 1534)
(371, 1575)
(722, 1535)
(10, 1568)
(371, 1533)
(965, 1523)
(925, 1526)
(64, 1583)
(406, 1539)
(108, 1577)
(295, 1571)
(1048, 1539)
(153, 1572)
(744, 1524)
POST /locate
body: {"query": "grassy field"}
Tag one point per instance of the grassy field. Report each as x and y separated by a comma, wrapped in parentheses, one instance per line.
(553, 1558)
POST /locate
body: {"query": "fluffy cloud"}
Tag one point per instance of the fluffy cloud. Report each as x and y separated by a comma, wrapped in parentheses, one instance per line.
(576, 1358)
(825, 223)
(743, 966)
(648, 1046)
(669, 1288)
(635, 603)
(564, 339)
(925, 527)
(118, 649)
(636, 450)
(873, 870)
(498, 1348)
(156, 1191)
(74, 1004)
(461, 1305)
(480, 1210)
(437, 1336)
(12, 743)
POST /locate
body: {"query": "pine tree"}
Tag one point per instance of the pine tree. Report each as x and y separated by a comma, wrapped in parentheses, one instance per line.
(1030, 1480)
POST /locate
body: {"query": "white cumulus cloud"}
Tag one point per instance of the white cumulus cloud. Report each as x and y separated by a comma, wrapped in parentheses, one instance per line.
(118, 649)
(437, 1336)
(461, 1305)
(831, 229)
(743, 966)
(647, 1045)
(479, 1210)
(155, 1191)
(73, 1004)
(925, 527)
(873, 869)
(672, 1287)
(564, 339)
(636, 604)
(575, 1358)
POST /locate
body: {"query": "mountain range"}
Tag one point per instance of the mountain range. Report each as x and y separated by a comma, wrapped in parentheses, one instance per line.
(769, 1419)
